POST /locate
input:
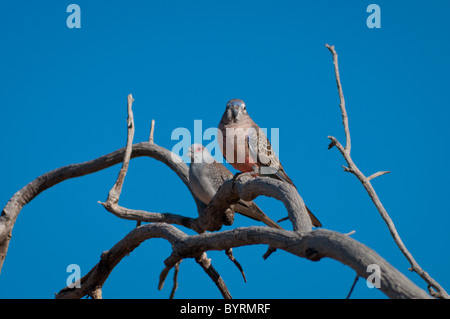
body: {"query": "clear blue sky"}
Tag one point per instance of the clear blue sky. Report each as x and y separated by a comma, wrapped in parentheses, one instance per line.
(63, 94)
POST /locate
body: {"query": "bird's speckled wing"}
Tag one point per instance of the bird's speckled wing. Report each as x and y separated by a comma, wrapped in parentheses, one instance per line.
(220, 174)
(267, 160)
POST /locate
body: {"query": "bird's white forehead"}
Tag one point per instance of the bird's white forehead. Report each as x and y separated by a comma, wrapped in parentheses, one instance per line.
(235, 102)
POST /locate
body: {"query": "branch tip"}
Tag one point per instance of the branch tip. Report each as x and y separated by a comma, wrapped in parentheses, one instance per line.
(230, 255)
(377, 174)
(269, 252)
(350, 233)
(345, 151)
(152, 129)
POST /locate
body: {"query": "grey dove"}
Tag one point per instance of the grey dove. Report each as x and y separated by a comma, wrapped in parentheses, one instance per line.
(245, 146)
(206, 175)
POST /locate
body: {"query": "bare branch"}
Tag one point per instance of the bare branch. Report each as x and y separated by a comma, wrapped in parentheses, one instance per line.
(230, 255)
(30, 191)
(170, 262)
(206, 265)
(114, 193)
(97, 276)
(248, 188)
(353, 286)
(111, 203)
(311, 245)
(346, 169)
(371, 191)
(377, 174)
(204, 262)
(175, 280)
(269, 252)
(148, 217)
(210, 218)
(49, 179)
(348, 145)
(152, 129)
(207, 216)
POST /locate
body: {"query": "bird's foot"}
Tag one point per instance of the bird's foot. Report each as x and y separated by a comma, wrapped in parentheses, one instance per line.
(239, 175)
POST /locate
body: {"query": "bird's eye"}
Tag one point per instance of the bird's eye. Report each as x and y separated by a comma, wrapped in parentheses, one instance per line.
(199, 149)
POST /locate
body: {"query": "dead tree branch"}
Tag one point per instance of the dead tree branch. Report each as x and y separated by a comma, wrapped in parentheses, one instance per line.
(113, 206)
(175, 280)
(313, 245)
(352, 168)
(301, 242)
(248, 188)
(230, 255)
(152, 130)
(114, 193)
(30, 191)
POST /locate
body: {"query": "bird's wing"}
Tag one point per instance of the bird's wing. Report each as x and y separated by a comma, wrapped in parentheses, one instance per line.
(261, 150)
(314, 220)
(221, 172)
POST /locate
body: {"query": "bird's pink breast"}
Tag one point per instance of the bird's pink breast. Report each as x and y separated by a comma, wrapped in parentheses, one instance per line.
(244, 167)
(235, 149)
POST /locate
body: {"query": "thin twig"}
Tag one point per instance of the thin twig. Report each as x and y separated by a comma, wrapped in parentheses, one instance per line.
(206, 265)
(175, 280)
(350, 233)
(145, 216)
(162, 277)
(152, 129)
(353, 287)
(348, 145)
(230, 255)
(269, 252)
(116, 190)
(170, 262)
(345, 151)
(377, 174)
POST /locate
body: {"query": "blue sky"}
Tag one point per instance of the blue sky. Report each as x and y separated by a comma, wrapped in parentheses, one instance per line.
(63, 94)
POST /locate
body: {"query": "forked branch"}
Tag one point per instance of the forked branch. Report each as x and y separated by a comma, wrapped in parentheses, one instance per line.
(352, 168)
(302, 242)
(313, 245)
(113, 206)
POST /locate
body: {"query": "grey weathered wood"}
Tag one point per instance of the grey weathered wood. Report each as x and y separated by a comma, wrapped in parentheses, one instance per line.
(312, 245)
(30, 191)
(365, 181)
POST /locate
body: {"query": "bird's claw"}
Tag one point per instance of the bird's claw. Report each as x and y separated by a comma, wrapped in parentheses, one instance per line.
(239, 175)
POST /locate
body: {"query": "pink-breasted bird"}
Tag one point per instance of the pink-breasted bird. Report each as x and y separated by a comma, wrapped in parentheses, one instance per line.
(245, 146)
(206, 175)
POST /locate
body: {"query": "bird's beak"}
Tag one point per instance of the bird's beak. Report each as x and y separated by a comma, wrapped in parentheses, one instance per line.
(189, 153)
(235, 110)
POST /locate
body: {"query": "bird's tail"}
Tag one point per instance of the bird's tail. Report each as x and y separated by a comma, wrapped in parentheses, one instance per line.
(251, 210)
(314, 220)
(281, 174)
